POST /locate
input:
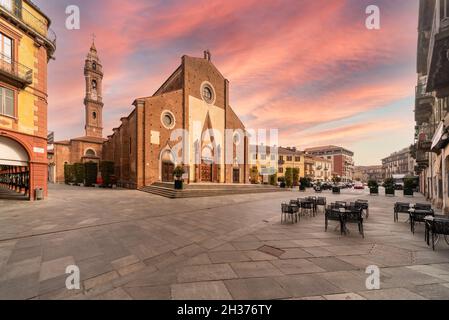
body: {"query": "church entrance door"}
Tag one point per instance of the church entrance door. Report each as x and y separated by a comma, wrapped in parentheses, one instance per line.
(206, 172)
(236, 176)
(167, 172)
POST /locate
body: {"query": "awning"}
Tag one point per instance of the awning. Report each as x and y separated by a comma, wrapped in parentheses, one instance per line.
(12, 153)
(441, 138)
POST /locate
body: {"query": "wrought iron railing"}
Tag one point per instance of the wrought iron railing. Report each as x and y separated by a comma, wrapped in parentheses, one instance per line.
(28, 18)
(16, 69)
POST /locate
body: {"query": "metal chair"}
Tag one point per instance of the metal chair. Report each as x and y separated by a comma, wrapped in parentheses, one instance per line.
(419, 215)
(322, 202)
(438, 228)
(355, 215)
(401, 207)
(364, 204)
(289, 211)
(333, 215)
(307, 208)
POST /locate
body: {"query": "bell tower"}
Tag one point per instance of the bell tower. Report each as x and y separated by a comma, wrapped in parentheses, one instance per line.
(93, 102)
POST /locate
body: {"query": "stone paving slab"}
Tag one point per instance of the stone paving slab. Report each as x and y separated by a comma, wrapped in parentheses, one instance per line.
(148, 247)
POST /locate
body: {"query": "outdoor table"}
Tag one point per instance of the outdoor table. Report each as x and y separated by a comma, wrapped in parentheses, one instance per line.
(418, 216)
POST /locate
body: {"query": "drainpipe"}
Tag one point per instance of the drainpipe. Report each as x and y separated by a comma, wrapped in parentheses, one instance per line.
(443, 178)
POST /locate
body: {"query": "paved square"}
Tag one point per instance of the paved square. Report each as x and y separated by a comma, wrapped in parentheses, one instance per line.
(133, 245)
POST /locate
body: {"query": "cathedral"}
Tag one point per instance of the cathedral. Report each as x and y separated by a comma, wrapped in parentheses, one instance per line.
(88, 148)
(188, 122)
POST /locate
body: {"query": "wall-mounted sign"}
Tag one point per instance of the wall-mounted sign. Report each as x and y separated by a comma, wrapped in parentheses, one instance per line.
(39, 150)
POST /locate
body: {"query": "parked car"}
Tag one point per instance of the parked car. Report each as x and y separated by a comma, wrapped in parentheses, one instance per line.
(359, 186)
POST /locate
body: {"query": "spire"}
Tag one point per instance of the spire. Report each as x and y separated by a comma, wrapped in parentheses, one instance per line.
(93, 48)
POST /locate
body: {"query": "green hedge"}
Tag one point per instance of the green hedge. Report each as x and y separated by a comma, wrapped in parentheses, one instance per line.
(107, 171)
(80, 174)
(91, 169)
(69, 173)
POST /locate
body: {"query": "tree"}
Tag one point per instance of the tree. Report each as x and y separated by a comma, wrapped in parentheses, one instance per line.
(254, 174)
(274, 179)
(295, 174)
(289, 177)
(336, 179)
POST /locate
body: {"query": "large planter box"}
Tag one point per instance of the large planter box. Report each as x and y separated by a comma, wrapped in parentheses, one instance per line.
(408, 193)
(374, 191)
(390, 192)
(336, 190)
(178, 185)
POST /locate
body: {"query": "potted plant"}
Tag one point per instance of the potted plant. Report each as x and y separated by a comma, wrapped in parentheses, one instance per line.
(389, 187)
(303, 184)
(282, 183)
(409, 185)
(373, 187)
(178, 173)
(336, 189)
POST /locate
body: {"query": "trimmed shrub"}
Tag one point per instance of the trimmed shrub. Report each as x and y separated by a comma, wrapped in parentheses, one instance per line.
(389, 187)
(79, 173)
(69, 173)
(107, 172)
(409, 186)
(373, 187)
(91, 173)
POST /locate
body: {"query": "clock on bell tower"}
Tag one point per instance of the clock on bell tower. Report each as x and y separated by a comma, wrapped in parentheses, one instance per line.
(93, 72)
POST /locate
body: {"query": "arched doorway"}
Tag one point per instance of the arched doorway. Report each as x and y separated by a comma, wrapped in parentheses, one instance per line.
(167, 166)
(207, 164)
(14, 170)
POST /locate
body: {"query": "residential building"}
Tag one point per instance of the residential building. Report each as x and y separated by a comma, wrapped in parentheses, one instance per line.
(342, 160)
(431, 107)
(366, 173)
(399, 163)
(291, 158)
(27, 45)
(322, 169)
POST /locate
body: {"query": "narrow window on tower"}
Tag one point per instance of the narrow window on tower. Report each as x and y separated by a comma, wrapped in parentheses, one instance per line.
(130, 148)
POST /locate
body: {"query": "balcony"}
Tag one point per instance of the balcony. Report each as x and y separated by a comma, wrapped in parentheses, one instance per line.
(424, 102)
(438, 59)
(27, 21)
(15, 73)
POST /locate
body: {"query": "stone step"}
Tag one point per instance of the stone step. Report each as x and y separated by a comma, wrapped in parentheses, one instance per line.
(197, 193)
(208, 186)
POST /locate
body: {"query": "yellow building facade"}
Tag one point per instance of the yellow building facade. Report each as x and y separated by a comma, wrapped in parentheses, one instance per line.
(26, 46)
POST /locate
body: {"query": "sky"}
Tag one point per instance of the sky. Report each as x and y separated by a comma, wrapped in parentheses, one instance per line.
(309, 68)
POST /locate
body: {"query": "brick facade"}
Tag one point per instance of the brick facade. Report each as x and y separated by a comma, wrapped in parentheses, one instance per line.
(142, 146)
(79, 150)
